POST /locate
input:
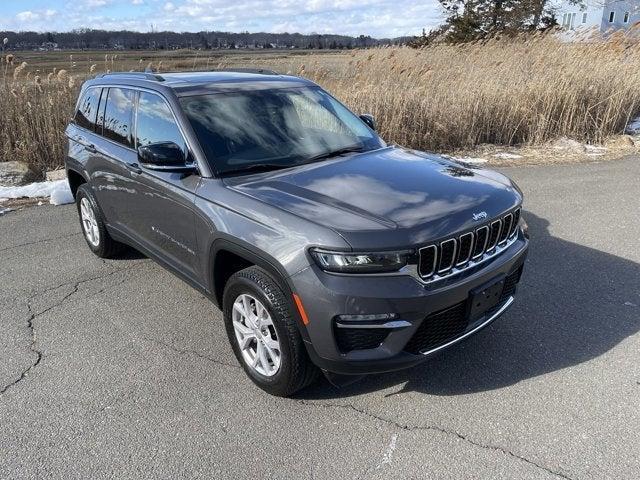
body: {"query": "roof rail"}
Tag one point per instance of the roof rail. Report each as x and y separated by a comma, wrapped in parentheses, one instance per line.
(262, 71)
(142, 75)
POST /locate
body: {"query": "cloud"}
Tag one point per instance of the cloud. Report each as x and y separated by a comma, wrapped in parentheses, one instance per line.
(31, 16)
(378, 18)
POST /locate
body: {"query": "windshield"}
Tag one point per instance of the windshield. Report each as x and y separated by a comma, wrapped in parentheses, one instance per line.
(270, 129)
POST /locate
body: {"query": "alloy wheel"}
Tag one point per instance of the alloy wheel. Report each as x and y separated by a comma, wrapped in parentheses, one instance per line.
(256, 335)
(89, 222)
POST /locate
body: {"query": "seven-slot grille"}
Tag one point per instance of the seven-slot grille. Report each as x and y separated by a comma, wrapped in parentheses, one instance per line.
(468, 248)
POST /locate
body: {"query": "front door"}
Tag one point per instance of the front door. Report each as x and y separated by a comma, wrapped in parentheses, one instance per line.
(161, 215)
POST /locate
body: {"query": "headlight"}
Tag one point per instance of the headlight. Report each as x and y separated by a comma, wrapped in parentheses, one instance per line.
(346, 262)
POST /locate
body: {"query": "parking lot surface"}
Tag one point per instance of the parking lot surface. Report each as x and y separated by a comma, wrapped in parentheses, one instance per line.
(118, 369)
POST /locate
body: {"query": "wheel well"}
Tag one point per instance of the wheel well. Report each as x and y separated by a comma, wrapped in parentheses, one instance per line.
(75, 180)
(225, 264)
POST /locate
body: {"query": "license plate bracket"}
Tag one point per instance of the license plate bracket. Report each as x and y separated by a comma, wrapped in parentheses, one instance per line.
(485, 297)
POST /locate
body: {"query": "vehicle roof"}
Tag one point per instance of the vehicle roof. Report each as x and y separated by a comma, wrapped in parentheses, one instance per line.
(195, 83)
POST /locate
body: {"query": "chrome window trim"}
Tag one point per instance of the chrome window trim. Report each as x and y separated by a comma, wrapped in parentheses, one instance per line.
(462, 262)
(453, 256)
(135, 119)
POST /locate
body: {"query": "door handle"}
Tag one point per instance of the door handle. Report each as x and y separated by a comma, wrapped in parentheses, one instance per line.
(91, 148)
(134, 167)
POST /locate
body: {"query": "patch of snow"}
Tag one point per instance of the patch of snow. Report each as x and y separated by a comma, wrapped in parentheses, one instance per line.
(506, 155)
(61, 195)
(630, 304)
(58, 191)
(593, 149)
(4, 210)
(564, 143)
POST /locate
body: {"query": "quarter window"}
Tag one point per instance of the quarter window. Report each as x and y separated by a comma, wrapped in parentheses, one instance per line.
(626, 17)
(118, 116)
(88, 108)
(584, 17)
(156, 123)
(612, 16)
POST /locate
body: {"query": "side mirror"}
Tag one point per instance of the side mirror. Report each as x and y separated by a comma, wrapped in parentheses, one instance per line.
(163, 156)
(369, 120)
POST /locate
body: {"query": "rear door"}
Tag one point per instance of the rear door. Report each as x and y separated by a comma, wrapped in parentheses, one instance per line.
(114, 152)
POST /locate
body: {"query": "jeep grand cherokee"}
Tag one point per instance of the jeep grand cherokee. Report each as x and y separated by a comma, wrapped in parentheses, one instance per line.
(326, 249)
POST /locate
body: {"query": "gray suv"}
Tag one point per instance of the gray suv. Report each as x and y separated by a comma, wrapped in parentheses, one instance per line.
(326, 249)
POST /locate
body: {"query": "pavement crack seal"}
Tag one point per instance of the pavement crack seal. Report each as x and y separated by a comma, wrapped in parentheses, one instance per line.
(39, 355)
(435, 428)
(181, 351)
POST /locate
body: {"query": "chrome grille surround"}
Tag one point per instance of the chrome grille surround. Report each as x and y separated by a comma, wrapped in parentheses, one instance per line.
(506, 227)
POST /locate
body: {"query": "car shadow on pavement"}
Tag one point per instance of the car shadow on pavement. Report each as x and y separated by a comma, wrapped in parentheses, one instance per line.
(574, 303)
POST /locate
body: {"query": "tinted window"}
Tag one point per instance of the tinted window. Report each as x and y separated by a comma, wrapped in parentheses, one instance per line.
(87, 108)
(156, 122)
(118, 115)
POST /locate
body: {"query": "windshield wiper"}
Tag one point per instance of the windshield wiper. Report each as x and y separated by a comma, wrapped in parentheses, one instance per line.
(256, 167)
(335, 153)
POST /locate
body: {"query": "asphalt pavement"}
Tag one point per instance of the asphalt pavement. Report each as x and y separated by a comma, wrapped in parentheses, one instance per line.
(119, 369)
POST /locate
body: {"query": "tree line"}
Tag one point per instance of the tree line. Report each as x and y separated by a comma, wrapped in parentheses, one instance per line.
(90, 39)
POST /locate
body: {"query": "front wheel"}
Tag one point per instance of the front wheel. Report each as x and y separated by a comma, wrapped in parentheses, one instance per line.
(264, 335)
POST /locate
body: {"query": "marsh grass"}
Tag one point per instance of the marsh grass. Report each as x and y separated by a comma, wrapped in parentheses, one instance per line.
(528, 90)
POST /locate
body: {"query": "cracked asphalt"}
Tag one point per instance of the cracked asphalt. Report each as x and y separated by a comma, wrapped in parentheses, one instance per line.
(119, 369)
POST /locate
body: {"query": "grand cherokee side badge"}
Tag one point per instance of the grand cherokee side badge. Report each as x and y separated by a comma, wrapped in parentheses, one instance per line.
(480, 215)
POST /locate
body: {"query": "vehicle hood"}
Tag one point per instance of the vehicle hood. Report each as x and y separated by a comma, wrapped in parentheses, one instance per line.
(387, 198)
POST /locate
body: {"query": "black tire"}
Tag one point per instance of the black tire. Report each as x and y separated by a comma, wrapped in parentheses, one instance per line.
(296, 369)
(106, 247)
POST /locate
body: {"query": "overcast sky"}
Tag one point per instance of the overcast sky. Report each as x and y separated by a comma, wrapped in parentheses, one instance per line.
(378, 18)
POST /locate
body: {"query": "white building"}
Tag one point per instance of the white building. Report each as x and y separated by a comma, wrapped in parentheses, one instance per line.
(605, 16)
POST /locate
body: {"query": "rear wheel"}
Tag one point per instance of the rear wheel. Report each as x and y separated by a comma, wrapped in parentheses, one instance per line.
(93, 225)
(264, 335)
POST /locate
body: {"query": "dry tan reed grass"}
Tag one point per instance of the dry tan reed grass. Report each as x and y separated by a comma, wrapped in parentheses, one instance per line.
(442, 98)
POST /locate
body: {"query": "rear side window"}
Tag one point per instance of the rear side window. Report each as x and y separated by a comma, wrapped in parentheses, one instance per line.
(155, 122)
(118, 115)
(88, 108)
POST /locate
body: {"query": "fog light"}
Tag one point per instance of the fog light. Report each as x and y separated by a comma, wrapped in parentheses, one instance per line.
(377, 316)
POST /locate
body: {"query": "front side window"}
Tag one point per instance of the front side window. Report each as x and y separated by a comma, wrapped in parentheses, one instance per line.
(278, 128)
(88, 108)
(118, 116)
(156, 123)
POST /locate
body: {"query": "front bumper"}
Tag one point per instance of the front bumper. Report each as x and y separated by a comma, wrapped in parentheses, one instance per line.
(326, 296)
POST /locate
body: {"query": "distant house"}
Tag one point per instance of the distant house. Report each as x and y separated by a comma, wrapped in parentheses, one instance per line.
(605, 16)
